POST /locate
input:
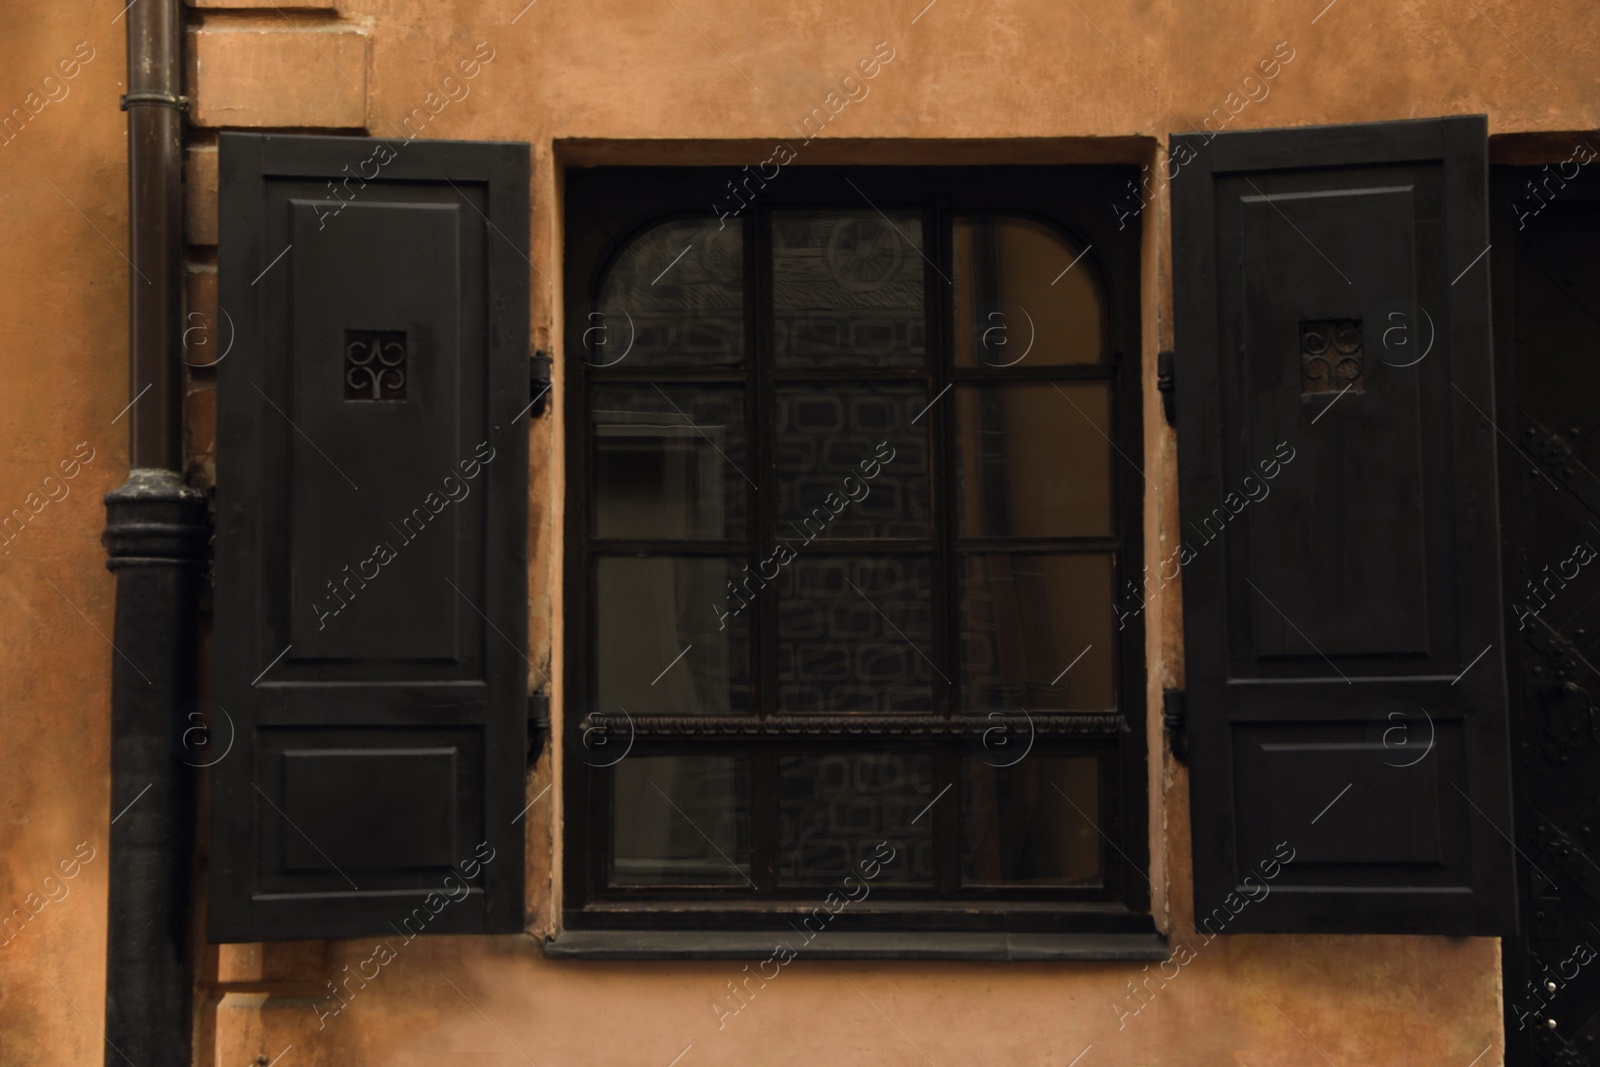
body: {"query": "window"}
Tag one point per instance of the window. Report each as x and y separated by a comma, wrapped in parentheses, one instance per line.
(853, 484)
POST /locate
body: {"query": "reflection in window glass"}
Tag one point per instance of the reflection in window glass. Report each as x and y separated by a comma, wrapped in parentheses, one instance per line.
(855, 633)
(674, 297)
(847, 289)
(662, 646)
(850, 462)
(1035, 460)
(681, 820)
(836, 808)
(1035, 823)
(1037, 632)
(668, 462)
(1024, 297)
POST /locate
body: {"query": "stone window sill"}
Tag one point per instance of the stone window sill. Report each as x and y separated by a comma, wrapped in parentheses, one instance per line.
(855, 945)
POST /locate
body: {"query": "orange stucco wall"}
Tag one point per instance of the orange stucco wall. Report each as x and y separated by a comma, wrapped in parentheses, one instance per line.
(63, 377)
(671, 81)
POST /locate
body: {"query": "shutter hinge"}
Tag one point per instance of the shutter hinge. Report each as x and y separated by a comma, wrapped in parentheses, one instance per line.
(538, 724)
(1175, 717)
(1167, 383)
(539, 382)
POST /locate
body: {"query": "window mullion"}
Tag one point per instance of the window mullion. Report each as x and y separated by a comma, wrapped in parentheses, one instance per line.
(940, 303)
(763, 530)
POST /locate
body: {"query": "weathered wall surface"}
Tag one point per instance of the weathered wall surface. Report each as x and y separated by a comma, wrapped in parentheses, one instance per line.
(63, 382)
(658, 81)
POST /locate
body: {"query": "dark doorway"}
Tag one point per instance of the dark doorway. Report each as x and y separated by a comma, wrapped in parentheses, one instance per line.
(1547, 306)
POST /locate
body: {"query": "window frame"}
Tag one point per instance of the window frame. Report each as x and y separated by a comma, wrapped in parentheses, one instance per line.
(606, 208)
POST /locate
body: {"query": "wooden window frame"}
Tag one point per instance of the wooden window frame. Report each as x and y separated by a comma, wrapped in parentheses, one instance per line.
(605, 209)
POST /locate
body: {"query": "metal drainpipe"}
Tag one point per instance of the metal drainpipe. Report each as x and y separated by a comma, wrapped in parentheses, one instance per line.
(155, 538)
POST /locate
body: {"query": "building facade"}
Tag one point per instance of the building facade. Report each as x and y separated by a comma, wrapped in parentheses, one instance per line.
(1083, 174)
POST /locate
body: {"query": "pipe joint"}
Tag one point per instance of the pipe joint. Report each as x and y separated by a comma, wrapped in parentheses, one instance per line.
(154, 518)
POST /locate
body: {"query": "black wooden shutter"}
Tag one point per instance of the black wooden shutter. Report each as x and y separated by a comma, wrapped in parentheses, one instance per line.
(371, 590)
(1340, 554)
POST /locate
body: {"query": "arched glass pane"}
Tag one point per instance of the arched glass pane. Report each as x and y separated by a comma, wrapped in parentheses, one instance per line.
(1025, 296)
(674, 297)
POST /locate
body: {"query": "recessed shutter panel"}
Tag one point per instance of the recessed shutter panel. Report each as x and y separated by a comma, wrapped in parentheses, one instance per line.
(1340, 556)
(371, 593)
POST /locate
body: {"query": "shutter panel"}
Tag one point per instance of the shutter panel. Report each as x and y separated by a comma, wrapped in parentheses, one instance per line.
(1341, 592)
(371, 579)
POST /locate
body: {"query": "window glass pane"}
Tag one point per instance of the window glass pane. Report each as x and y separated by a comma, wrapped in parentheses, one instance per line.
(836, 808)
(847, 289)
(1023, 296)
(1037, 633)
(856, 634)
(662, 645)
(1035, 823)
(669, 461)
(673, 298)
(1035, 460)
(681, 820)
(851, 463)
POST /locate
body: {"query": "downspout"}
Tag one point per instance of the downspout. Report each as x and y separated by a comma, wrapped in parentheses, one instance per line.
(155, 538)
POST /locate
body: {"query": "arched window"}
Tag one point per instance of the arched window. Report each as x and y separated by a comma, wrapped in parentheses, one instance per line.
(848, 519)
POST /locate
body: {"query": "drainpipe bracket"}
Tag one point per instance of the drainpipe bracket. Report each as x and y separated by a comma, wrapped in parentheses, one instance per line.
(154, 96)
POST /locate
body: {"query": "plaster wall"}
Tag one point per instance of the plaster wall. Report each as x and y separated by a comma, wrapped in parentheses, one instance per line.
(691, 81)
(64, 382)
